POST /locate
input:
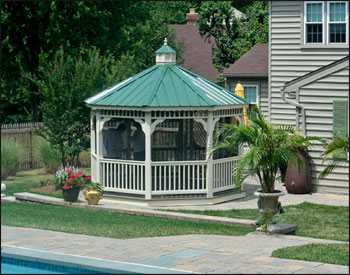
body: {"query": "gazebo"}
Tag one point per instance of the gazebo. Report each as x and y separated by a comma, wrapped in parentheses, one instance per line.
(151, 136)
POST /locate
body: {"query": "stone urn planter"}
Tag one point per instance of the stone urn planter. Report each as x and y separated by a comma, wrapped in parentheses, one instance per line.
(92, 196)
(71, 194)
(298, 181)
(268, 206)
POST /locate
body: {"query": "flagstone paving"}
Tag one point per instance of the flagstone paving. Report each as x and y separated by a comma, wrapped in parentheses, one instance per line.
(195, 253)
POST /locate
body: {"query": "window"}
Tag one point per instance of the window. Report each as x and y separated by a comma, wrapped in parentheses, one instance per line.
(251, 93)
(337, 22)
(314, 22)
(326, 24)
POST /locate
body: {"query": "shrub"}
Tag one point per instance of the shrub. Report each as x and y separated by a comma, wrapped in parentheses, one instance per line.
(47, 155)
(11, 154)
(84, 159)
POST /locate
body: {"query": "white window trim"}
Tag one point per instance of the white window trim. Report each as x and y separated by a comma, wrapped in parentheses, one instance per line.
(346, 23)
(257, 93)
(323, 23)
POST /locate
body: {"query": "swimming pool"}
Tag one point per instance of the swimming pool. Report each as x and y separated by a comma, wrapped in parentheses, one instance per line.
(11, 265)
(19, 260)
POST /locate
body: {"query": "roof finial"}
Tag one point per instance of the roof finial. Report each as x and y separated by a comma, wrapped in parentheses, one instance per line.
(165, 41)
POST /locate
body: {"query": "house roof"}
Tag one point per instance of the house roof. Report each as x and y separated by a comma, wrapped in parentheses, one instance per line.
(252, 63)
(317, 74)
(165, 86)
(197, 51)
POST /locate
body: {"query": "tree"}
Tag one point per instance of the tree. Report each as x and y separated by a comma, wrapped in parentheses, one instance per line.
(63, 84)
(125, 29)
(233, 36)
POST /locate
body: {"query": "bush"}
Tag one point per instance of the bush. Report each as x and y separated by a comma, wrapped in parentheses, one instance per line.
(11, 154)
(84, 159)
(47, 155)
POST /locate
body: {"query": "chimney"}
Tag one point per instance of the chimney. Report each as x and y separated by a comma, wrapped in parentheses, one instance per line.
(192, 17)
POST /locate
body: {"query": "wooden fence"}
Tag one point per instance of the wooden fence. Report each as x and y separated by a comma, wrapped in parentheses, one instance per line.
(24, 134)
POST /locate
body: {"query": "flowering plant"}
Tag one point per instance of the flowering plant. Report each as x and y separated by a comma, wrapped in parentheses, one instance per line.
(70, 177)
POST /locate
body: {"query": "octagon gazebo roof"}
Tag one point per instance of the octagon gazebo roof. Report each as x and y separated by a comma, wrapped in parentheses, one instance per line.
(165, 85)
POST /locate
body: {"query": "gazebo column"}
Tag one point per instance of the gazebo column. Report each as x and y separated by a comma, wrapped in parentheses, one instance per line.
(148, 160)
(210, 156)
(99, 149)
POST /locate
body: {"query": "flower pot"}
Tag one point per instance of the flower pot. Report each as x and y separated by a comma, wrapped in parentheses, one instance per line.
(268, 202)
(71, 194)
(92, 196)
(299, 181)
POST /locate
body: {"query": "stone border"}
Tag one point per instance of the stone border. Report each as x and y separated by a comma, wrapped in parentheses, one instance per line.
(25, 196)
(90, 263)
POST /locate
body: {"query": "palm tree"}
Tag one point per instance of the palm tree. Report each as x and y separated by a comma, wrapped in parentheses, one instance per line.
(269, 146)
(335, 152)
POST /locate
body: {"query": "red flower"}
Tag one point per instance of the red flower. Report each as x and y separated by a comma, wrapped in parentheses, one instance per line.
(68, 171)
(64, 182)
(88, 178)
(71, 180)
(71, 176)
(65, 187)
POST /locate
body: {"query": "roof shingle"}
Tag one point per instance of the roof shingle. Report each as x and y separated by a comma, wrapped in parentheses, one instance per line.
(254, 62)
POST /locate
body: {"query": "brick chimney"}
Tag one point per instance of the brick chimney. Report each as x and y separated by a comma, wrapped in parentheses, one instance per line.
(191, 17)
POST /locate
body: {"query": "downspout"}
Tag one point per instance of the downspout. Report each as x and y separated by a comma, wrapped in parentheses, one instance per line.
(301, 107)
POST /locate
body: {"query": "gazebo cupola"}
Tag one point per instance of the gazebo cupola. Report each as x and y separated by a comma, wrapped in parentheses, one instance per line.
(165, 55)
(151, 136)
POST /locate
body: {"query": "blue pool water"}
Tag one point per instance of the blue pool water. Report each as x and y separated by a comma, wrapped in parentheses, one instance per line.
(19, 266)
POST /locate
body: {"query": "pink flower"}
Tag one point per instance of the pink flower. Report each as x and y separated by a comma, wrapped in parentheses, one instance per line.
(71, 180)
(71, 176)
(68, 171)
(65, 187)
(88, 178)
(64, 182)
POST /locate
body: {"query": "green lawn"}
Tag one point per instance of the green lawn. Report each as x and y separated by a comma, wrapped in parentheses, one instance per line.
(324, 253)
(313, 220)
(105, 224)
(29, 179)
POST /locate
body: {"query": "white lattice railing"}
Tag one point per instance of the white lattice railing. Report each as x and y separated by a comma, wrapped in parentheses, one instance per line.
(123, 176)
(185, 177)
(222, 173)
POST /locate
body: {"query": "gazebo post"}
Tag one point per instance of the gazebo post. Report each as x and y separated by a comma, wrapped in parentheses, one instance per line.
(99, 149)
(148, 159)
(209, 155)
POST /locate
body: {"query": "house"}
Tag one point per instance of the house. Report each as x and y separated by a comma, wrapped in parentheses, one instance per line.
(197, 53)
(309, 76)
(251, 70)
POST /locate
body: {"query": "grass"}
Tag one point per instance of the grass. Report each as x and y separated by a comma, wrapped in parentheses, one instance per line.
(324, 253)
(30, 181)
(313, 220)
(105, 224)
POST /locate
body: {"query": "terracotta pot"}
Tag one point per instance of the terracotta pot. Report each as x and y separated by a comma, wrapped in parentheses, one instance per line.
(299, 181)
(71, 194)
(92, 196)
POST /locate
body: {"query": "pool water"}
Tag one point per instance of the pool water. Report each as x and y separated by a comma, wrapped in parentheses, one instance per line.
(19, 266)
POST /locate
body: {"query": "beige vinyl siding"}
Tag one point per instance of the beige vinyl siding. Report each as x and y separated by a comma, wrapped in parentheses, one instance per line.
(231, 83)
(288, 59)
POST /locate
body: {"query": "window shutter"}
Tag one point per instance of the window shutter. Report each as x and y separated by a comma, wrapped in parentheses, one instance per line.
(340, 117)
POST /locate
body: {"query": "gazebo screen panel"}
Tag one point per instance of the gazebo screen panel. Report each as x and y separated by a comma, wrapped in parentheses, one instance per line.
(179, 140)
(221, 153)
(125, 139)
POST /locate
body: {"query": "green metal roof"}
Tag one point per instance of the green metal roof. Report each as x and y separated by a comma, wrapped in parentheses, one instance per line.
(165, 86)
(165, 49)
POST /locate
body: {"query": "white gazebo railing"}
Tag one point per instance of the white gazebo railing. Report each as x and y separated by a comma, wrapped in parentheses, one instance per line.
(223, 173)
(168, 178)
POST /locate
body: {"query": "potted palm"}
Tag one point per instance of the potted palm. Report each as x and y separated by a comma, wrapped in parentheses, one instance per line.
(269, 146)
(93, 192)
(336, 153)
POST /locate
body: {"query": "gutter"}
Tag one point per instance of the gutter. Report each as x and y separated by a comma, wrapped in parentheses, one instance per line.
(301, 107)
